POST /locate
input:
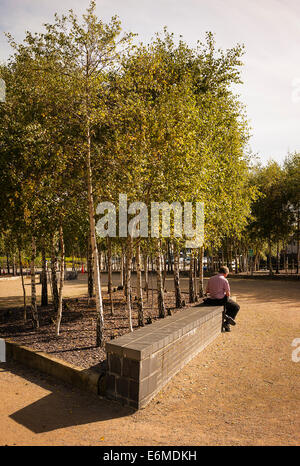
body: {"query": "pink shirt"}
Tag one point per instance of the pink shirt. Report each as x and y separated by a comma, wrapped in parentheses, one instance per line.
(218, 286)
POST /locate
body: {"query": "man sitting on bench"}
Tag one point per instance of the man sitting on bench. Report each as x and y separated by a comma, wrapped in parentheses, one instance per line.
(219, 294)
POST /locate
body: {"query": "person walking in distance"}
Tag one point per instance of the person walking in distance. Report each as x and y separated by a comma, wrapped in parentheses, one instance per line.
(218, 290)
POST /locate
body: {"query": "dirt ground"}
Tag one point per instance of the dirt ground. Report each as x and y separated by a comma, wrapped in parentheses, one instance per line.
(243, 389)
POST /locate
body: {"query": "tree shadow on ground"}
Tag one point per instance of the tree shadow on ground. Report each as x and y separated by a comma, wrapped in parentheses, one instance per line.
(8, 302)
(65, 406)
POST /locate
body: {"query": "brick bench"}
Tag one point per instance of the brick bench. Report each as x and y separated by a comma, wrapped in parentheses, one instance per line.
(142, 362)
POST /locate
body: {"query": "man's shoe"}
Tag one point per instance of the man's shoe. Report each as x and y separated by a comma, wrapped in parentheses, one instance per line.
(230, 320)
(227, 328)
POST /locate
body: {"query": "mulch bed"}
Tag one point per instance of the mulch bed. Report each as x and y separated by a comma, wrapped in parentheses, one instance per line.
(76, 342)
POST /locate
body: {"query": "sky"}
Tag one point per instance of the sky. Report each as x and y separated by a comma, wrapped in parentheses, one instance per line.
(269, 29)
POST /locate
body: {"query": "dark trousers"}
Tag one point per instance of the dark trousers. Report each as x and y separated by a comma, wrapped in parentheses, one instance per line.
(231, 307)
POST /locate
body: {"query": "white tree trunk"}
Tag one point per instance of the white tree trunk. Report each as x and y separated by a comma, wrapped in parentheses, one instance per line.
(146, 262)
(23, 286)
(35, 317)
(160, 289)
(128, 281)
(61, 281)
(97, 281)
(109, 281)
(178, 298)
(139, 286)
(201, 287)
